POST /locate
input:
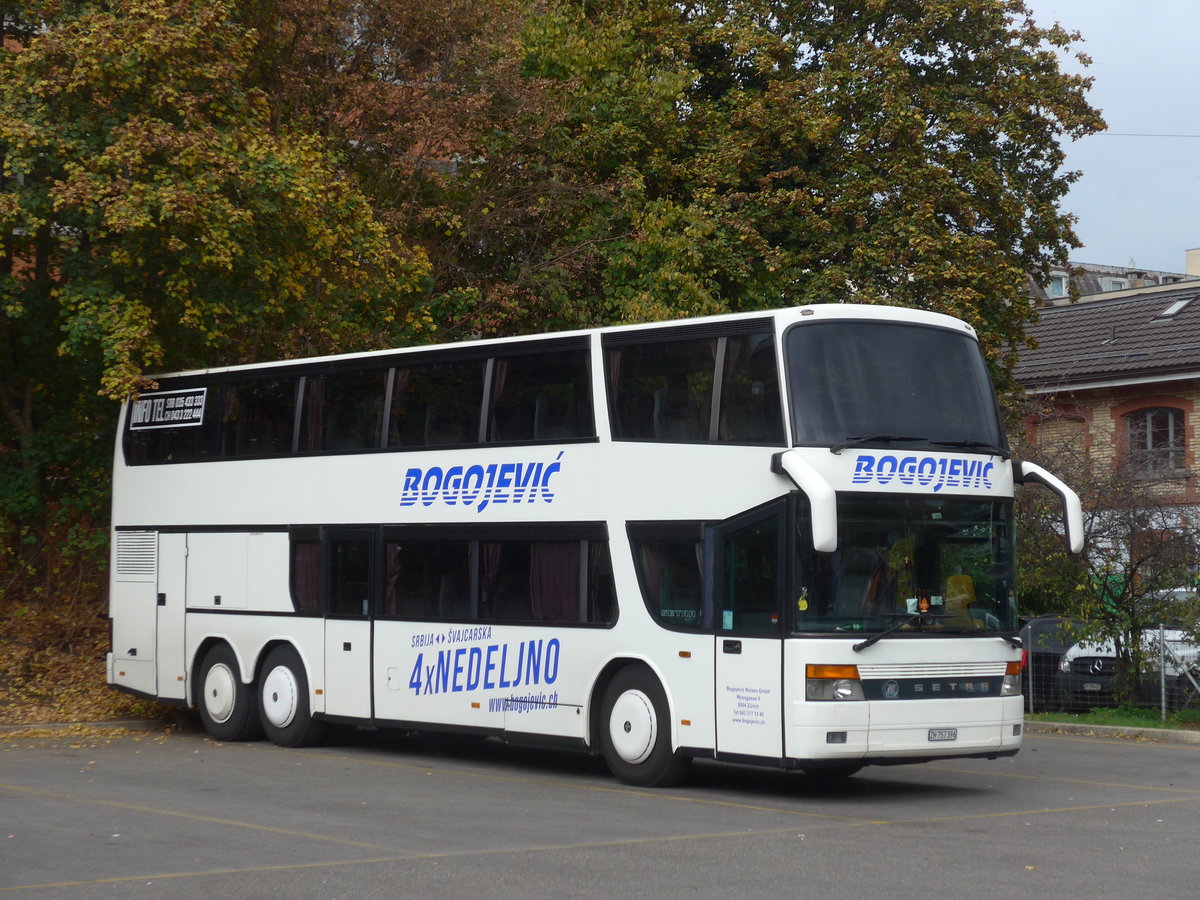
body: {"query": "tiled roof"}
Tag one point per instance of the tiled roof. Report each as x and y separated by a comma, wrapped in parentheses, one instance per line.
(1155, 334)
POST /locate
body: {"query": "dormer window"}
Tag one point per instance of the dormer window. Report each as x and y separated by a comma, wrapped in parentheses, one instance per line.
(1057, 285)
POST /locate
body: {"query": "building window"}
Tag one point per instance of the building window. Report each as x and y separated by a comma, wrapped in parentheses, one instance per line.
(1156, 440)
(1057, 286)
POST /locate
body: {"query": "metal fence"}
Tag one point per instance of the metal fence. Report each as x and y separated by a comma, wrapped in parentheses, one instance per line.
(1063, 676)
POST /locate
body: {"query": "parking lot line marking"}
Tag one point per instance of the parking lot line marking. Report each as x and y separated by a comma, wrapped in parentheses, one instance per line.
(580, 845)
(1091, 783)
(603, 789)
(416, 857)
(72, 798)
(1043, 811)
(1117, 741)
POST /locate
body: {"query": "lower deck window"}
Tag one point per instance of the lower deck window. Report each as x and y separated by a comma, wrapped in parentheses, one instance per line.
(424, 576)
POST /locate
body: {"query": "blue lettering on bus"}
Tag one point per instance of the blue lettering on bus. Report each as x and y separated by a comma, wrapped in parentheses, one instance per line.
(924, 471)
(481, 486)
(468, 669)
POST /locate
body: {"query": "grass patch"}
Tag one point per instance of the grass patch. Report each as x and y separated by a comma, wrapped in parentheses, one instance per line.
(1125, 717)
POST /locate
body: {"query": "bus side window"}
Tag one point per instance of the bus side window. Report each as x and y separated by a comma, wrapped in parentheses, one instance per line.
(258, 417)
(750, 397)
(306, 575)
(669, 573)
(540, 397)
(437, 405)
(343, 411)
(662, 391)
(601, 589)
(348, 589)
(427, 579)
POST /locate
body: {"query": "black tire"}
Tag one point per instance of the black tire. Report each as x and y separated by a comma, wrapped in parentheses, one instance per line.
(283, 701)
(227, 706)
(635, 731)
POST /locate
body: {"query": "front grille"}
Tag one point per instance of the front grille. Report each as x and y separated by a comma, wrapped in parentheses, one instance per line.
(1094, 666)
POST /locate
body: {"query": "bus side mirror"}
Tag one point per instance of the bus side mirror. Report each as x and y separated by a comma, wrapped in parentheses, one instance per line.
(821, 497)
(1031, 473)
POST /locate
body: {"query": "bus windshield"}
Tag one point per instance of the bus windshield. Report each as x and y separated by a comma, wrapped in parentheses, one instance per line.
(950, 558)
(859, 381)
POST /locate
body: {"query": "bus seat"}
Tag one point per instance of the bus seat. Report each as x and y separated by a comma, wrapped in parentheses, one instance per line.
(553, 418)
(442, 426)
(676, 415)
(960, 597)
(857, 568)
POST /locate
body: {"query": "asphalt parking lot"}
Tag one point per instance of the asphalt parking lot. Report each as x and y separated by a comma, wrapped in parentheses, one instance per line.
(173, 814)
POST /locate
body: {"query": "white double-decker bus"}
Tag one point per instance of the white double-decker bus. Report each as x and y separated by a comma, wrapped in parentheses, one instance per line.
(782, 538)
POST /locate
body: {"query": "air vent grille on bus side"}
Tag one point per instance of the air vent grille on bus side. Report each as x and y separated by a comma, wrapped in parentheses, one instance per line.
(137, 555)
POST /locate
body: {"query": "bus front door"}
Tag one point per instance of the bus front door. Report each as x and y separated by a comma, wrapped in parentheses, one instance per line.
(744, 559)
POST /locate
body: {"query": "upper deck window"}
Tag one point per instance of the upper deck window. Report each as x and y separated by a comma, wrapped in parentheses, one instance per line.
(851, 380)
(437, 404)
(538, 391)
(681, 387)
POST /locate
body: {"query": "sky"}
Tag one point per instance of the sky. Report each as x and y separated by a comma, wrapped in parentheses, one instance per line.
(1138, 199)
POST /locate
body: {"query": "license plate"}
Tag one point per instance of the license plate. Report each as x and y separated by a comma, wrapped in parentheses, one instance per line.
(943, 734)
(1093, 686)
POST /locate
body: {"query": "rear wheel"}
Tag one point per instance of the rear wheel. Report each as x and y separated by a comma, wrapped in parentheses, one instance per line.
(227, 706)
(635, 731)
(283, 701)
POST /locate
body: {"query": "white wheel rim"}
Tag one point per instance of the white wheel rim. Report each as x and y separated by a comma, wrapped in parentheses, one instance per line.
(220, 693)
(280, 694)
(633, 727)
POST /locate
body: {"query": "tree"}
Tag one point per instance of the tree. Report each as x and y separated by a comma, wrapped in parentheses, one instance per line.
(152, 211)
(1140, 544)
(759, 153)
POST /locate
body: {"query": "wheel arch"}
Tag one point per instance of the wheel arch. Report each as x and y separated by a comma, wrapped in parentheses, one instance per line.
(202, 650)
(600, 685)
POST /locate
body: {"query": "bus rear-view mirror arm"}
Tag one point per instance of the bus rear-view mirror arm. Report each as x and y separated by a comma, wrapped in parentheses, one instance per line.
(1031, 473)
(820, 493)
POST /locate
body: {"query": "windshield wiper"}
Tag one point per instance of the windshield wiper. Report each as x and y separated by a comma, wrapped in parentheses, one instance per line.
(876, 638)
(883, 438)
(974, 445)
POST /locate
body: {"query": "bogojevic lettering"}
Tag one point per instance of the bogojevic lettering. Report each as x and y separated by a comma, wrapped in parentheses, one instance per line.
(480, 485)
(925, 471)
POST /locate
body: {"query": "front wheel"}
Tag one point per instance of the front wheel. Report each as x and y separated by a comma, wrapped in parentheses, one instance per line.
(635, 731)
(226, 704)
(283, 701)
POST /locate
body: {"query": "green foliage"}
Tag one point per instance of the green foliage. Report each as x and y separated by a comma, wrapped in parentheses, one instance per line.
(1138, 547)
(181, 226)
(153, 213)
(1128, 717)
(762, 153)
(190, 183)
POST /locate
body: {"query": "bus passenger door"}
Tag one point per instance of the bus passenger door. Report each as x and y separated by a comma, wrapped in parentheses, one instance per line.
(348, 581)
(745, 563)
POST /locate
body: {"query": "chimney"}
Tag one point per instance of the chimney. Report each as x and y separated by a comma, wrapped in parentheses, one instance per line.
(1193, 261)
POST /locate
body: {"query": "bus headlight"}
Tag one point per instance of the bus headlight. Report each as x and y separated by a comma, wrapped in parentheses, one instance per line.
(832, 683)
